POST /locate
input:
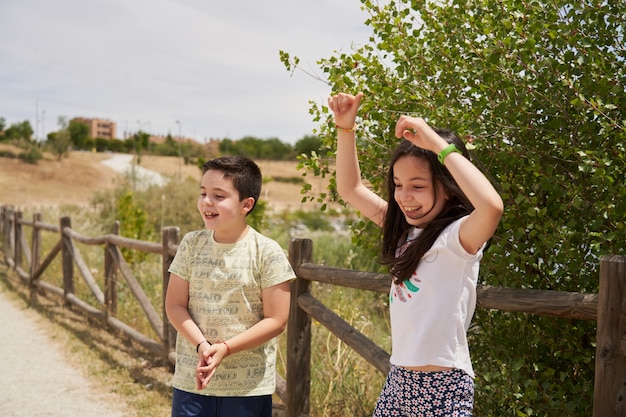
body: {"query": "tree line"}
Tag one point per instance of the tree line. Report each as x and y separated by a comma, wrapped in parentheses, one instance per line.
(74, 135)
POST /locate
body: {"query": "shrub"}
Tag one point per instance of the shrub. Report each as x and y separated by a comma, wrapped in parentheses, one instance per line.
(31, 156)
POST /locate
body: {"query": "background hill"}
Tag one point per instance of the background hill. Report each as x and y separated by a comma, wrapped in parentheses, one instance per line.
(74, 180)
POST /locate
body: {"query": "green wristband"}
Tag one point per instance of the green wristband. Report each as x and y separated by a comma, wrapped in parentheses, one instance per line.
(447, 151)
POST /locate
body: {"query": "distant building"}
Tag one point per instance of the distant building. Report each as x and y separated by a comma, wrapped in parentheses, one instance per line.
(99, 128)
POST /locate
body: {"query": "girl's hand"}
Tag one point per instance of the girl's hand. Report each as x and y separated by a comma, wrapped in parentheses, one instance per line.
(417, 131)
(345, 108)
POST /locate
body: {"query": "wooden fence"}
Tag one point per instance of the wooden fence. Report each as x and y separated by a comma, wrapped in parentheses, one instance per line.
(608, 307)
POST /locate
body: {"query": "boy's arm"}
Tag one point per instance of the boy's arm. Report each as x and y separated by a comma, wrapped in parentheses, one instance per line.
(276, 301)
(176, 307)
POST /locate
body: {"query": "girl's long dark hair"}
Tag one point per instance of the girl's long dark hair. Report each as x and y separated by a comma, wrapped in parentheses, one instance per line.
(395, 227)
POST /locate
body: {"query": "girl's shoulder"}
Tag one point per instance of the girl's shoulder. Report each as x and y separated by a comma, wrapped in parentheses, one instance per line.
(450, 238)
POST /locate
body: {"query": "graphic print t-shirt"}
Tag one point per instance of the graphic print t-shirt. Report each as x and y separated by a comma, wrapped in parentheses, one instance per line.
(225, 285)
(432, 310)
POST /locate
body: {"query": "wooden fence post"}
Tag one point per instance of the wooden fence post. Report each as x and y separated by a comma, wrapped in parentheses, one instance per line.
(609, 399)
(17, 255)
(299, 336)
(36, 254)
(5, 228)
(9, 233)
(2, 221)
(66, 258)
(170, 236)
(110, 277)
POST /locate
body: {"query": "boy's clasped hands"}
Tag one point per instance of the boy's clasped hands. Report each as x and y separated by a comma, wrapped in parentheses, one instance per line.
(209, 358)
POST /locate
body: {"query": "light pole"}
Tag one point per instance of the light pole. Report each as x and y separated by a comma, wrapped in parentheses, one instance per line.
(43, 124)
(149, 136)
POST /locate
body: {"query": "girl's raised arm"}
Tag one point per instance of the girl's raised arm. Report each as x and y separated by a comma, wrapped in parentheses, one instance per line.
(349, 183)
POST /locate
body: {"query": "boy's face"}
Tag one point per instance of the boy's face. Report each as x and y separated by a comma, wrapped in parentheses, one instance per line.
(220, 207)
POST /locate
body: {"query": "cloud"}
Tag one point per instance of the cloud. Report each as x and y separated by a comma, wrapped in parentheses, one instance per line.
(214, 66)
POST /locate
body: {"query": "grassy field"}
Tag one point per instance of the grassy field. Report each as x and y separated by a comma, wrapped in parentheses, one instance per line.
(75, 180)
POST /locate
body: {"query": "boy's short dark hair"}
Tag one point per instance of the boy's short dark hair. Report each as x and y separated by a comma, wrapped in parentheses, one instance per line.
(243, 172)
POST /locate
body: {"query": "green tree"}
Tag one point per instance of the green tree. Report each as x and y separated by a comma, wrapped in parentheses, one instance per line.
(228, 146)
(255, 148)
(133, 224)
(137, 143)
(60, 142)
(78, 132)
(168, 148)
(21, 131)
(538, 88)
(310, 144)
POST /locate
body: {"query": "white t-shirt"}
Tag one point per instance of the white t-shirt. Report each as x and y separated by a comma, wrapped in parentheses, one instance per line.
(431, 311)
(225, 284)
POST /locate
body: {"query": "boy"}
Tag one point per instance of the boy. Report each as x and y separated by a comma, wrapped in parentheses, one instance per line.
(228, 298)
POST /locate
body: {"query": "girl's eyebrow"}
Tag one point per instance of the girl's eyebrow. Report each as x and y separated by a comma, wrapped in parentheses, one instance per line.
(412, 179)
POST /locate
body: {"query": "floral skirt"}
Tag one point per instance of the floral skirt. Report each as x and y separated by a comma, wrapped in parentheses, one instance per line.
(413, 393)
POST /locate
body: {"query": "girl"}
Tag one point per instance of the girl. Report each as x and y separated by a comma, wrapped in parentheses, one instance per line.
(441, 212)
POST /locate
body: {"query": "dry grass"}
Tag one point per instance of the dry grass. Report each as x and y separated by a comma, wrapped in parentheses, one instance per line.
(50, 182)
(74, 180)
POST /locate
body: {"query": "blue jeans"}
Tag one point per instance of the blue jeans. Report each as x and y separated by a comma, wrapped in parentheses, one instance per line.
(187, 404)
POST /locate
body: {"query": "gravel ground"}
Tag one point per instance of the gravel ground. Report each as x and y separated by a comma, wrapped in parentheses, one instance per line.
(36, 377)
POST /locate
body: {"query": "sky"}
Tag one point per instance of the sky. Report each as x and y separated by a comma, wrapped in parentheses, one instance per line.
(200, 68)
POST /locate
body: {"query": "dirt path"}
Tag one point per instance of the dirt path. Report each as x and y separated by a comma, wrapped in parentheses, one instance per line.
(123, 164)
(36, 377)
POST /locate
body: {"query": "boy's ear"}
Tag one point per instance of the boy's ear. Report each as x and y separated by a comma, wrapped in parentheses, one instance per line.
(248, 203)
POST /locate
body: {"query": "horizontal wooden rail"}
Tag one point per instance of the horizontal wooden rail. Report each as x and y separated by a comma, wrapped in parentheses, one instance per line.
(345, 277)
(117, 240)
(573, 305)
(47, 227)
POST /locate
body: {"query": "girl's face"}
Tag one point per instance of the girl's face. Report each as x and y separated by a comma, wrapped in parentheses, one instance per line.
(419, 197)
(220, 207)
